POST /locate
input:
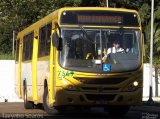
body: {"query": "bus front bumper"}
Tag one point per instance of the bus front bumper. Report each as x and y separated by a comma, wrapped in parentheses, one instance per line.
(77, 98)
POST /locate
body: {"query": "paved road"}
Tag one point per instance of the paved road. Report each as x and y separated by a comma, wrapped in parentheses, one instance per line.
(16, 110)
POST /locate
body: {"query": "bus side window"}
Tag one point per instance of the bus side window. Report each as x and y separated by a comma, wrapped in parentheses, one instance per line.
(27, 46)
(42, 37)
(48, 40)
(44, 40)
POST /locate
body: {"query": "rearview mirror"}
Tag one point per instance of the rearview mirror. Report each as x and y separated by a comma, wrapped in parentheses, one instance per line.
(57, 41)
(59, 48)
(56, 38)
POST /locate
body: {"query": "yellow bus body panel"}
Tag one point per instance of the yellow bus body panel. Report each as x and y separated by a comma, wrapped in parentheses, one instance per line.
(34, 69)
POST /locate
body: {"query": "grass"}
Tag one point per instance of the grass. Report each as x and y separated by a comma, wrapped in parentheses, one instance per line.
(6, 57)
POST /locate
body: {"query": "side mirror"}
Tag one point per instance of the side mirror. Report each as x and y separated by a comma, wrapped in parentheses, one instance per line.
(59, 48)
(57, 41)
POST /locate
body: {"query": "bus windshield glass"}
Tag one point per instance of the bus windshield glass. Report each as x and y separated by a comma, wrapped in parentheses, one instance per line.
(88, 49)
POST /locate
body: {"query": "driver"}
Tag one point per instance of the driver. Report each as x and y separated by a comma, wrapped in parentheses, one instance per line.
(114, 49)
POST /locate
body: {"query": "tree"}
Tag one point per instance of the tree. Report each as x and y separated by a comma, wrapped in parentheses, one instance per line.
(18, 14)
(145, 13)
(66, 3)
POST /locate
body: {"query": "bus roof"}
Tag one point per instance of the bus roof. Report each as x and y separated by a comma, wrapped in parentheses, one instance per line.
(56, 15)
(97, 8)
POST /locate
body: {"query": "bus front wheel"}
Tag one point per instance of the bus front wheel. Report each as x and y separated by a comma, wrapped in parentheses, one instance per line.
(48, 108)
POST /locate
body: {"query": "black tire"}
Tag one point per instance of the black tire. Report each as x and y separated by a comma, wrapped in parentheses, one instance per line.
(115, 111)
(49, 109)
(61, 109)
(27, 104)
(83, 108)
(38, 106)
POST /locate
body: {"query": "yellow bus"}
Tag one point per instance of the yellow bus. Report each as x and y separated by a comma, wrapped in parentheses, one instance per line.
(60, 60)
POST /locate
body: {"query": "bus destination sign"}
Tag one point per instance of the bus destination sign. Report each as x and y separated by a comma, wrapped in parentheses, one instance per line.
(99, 19)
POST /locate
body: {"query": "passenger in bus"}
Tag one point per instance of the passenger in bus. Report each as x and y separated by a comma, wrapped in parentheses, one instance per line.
(114, 49)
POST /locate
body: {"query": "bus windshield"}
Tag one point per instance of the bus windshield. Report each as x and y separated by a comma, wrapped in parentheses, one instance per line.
(88, 49)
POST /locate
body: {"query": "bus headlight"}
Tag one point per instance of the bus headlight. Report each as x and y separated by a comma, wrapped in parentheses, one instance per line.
(135, 83)
(132, 86)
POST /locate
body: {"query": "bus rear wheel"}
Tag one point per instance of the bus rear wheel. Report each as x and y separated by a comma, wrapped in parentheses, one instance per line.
(117, 110)
(48, 108)
(27, 104)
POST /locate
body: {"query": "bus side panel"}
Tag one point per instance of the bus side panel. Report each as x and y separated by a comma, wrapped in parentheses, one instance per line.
(42, 74)
(27, 76)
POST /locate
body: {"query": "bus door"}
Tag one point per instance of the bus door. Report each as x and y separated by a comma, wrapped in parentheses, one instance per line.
(18, 83)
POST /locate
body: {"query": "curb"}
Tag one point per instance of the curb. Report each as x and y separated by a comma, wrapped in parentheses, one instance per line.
(149, 107)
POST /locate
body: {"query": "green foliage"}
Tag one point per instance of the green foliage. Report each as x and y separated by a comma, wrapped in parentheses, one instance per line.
(144, 12)
(18, 14)
(67, 3)
(130, 4)
(91, 3)
(6, 57)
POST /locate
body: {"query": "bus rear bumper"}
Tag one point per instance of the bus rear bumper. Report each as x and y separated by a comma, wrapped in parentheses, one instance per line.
(75, 98)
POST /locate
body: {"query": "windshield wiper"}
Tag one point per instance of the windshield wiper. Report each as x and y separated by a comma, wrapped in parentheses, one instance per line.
(85, 33)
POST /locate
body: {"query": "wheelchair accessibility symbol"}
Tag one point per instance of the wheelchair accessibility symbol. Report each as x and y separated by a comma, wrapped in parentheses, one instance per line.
(106, 67)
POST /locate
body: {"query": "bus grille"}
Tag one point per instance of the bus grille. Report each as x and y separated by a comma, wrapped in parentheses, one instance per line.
(101, 80)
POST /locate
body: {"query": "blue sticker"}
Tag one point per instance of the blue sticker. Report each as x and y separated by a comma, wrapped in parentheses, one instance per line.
(106, 67)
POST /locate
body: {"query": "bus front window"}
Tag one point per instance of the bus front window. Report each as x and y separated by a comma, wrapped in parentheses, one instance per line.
(84, 49)
(80, 49)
